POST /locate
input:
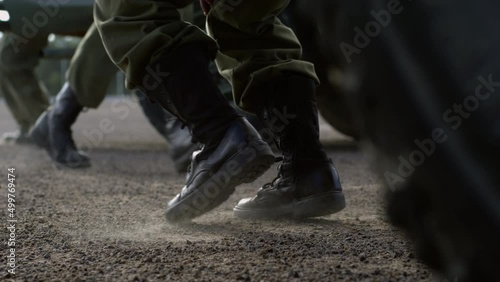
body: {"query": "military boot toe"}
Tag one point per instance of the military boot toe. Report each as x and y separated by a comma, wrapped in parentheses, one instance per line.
(298, 192)
(241, 156)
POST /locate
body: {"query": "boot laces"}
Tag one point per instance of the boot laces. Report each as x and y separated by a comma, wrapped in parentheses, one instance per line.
(275, 182)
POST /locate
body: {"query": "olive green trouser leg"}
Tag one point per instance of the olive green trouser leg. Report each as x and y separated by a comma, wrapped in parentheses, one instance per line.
(145, 31)
(90, 70)
(255, 47)
(25, 95)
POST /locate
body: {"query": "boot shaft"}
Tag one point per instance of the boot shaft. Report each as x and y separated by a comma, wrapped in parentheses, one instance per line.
(66, 107)
(187, 90)
(291, 114)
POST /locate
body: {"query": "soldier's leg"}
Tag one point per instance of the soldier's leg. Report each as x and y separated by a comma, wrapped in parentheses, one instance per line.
(87, 82)
(170, 127)
(25, 95)
(168, 59)
(90, 70)
(255, 47)
(89, 74)
(262, 59)
(178, 137)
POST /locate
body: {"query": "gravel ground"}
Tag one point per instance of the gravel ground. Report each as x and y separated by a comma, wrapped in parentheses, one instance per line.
(106, 223)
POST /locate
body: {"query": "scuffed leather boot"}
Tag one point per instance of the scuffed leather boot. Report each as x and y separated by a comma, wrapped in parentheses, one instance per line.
(307, 184)
(233, 152)
(241, 156)
(52, 130)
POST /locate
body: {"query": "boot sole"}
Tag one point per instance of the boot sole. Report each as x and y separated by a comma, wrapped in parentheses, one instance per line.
(223, 183)
(313, 206)
(79, 165)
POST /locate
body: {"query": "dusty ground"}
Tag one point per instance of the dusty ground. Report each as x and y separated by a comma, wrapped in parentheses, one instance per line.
(106, 222)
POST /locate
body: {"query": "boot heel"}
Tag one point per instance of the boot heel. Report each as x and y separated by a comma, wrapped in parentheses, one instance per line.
(40, 132)
(319, 205)
(255, 159)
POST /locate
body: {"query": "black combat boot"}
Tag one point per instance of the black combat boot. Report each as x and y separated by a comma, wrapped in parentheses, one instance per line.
(232, 151)
(307, 184)
(52, 130)
(180, 143)
(172, 129)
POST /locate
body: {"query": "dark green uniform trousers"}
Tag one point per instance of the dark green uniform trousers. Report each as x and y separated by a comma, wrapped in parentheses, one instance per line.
(89, 75)
(25, 95)
(251, 45)
(90, 70)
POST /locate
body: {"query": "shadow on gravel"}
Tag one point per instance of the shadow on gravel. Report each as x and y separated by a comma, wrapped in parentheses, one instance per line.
(262, 227)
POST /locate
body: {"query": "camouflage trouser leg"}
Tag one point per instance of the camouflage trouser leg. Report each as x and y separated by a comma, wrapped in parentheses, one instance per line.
(255, 45)
(146, 30)
(25, 95)
(91, 70)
